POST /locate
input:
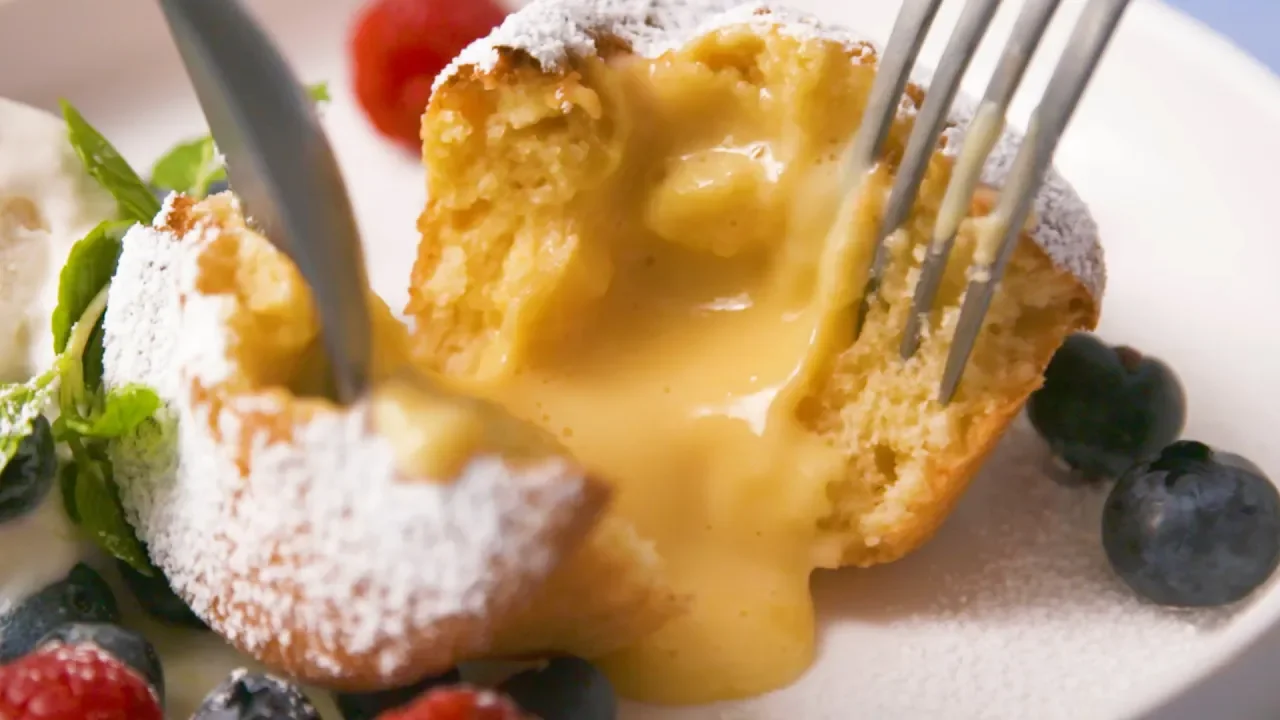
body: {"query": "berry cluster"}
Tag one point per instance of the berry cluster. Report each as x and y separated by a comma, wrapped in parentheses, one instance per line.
(67, 658)
(1184, 524)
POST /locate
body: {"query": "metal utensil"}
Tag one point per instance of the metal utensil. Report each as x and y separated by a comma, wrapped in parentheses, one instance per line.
(1092, 34)
(282, 168)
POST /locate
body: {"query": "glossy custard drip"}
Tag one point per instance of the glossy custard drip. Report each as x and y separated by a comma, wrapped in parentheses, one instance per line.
(703, 317)
(657, 255)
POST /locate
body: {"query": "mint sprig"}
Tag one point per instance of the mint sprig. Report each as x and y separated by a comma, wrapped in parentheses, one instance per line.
(90, 416)
(89, 491)
(90, 265)
(123, 409)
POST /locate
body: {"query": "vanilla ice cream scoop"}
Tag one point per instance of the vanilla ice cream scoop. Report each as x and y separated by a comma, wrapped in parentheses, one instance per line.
(47, 203)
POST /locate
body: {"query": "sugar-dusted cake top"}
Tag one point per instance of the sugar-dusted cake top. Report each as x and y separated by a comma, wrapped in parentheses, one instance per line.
(552, 31)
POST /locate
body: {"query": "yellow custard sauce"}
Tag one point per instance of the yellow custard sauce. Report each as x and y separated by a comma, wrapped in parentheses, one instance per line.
(688, 325)
(658, 260)
(681, 385)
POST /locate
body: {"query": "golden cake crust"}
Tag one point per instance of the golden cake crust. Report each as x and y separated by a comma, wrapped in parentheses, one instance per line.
(552, 36)
(928, 507)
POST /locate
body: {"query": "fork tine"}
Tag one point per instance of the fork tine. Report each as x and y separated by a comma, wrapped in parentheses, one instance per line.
(972, 26)
(908, 35)
(984, 130)
(1088, 41)
(909, 32)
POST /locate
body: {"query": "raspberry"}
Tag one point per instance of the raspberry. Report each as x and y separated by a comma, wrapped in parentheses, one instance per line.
(74, 683)
(458, 703)
(399, 46)
(125, 646)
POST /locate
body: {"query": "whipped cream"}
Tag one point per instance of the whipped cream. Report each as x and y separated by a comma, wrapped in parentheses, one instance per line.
(48, 545)
(47, 203)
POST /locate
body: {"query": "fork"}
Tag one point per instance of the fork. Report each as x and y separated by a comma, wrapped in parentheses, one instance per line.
(282, 168)
(1089, 39)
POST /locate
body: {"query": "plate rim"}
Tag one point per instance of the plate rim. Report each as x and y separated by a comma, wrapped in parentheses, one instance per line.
(1230, 64)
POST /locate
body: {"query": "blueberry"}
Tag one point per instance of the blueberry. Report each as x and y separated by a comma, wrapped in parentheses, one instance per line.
(367, 706)
(156, 596)
(1190, 530)
(1104, 409)
(28, 476)
(566, 689)
(126, 646)
(255, 696)
(83, 596)
(1237, 461)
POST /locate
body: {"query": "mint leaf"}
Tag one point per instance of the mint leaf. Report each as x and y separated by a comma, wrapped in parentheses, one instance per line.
(90, 266)
(93, 359)
(108, 167)
(190, 168)
(195, 166)
(20, 404)
(97, 502)
(123, 410)
(319, 93)
(82, 300)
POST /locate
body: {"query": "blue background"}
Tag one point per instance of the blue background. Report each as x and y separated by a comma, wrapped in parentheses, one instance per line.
(1251, 24)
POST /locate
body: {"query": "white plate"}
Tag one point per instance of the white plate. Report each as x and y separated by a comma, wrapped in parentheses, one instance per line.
(1011, 612)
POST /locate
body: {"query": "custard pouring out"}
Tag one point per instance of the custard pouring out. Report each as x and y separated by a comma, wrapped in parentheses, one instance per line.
(654, 256)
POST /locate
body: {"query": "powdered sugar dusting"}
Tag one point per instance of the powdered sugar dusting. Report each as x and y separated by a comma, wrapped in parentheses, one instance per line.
(1064, 228)
(551, 31)
(307, 546)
